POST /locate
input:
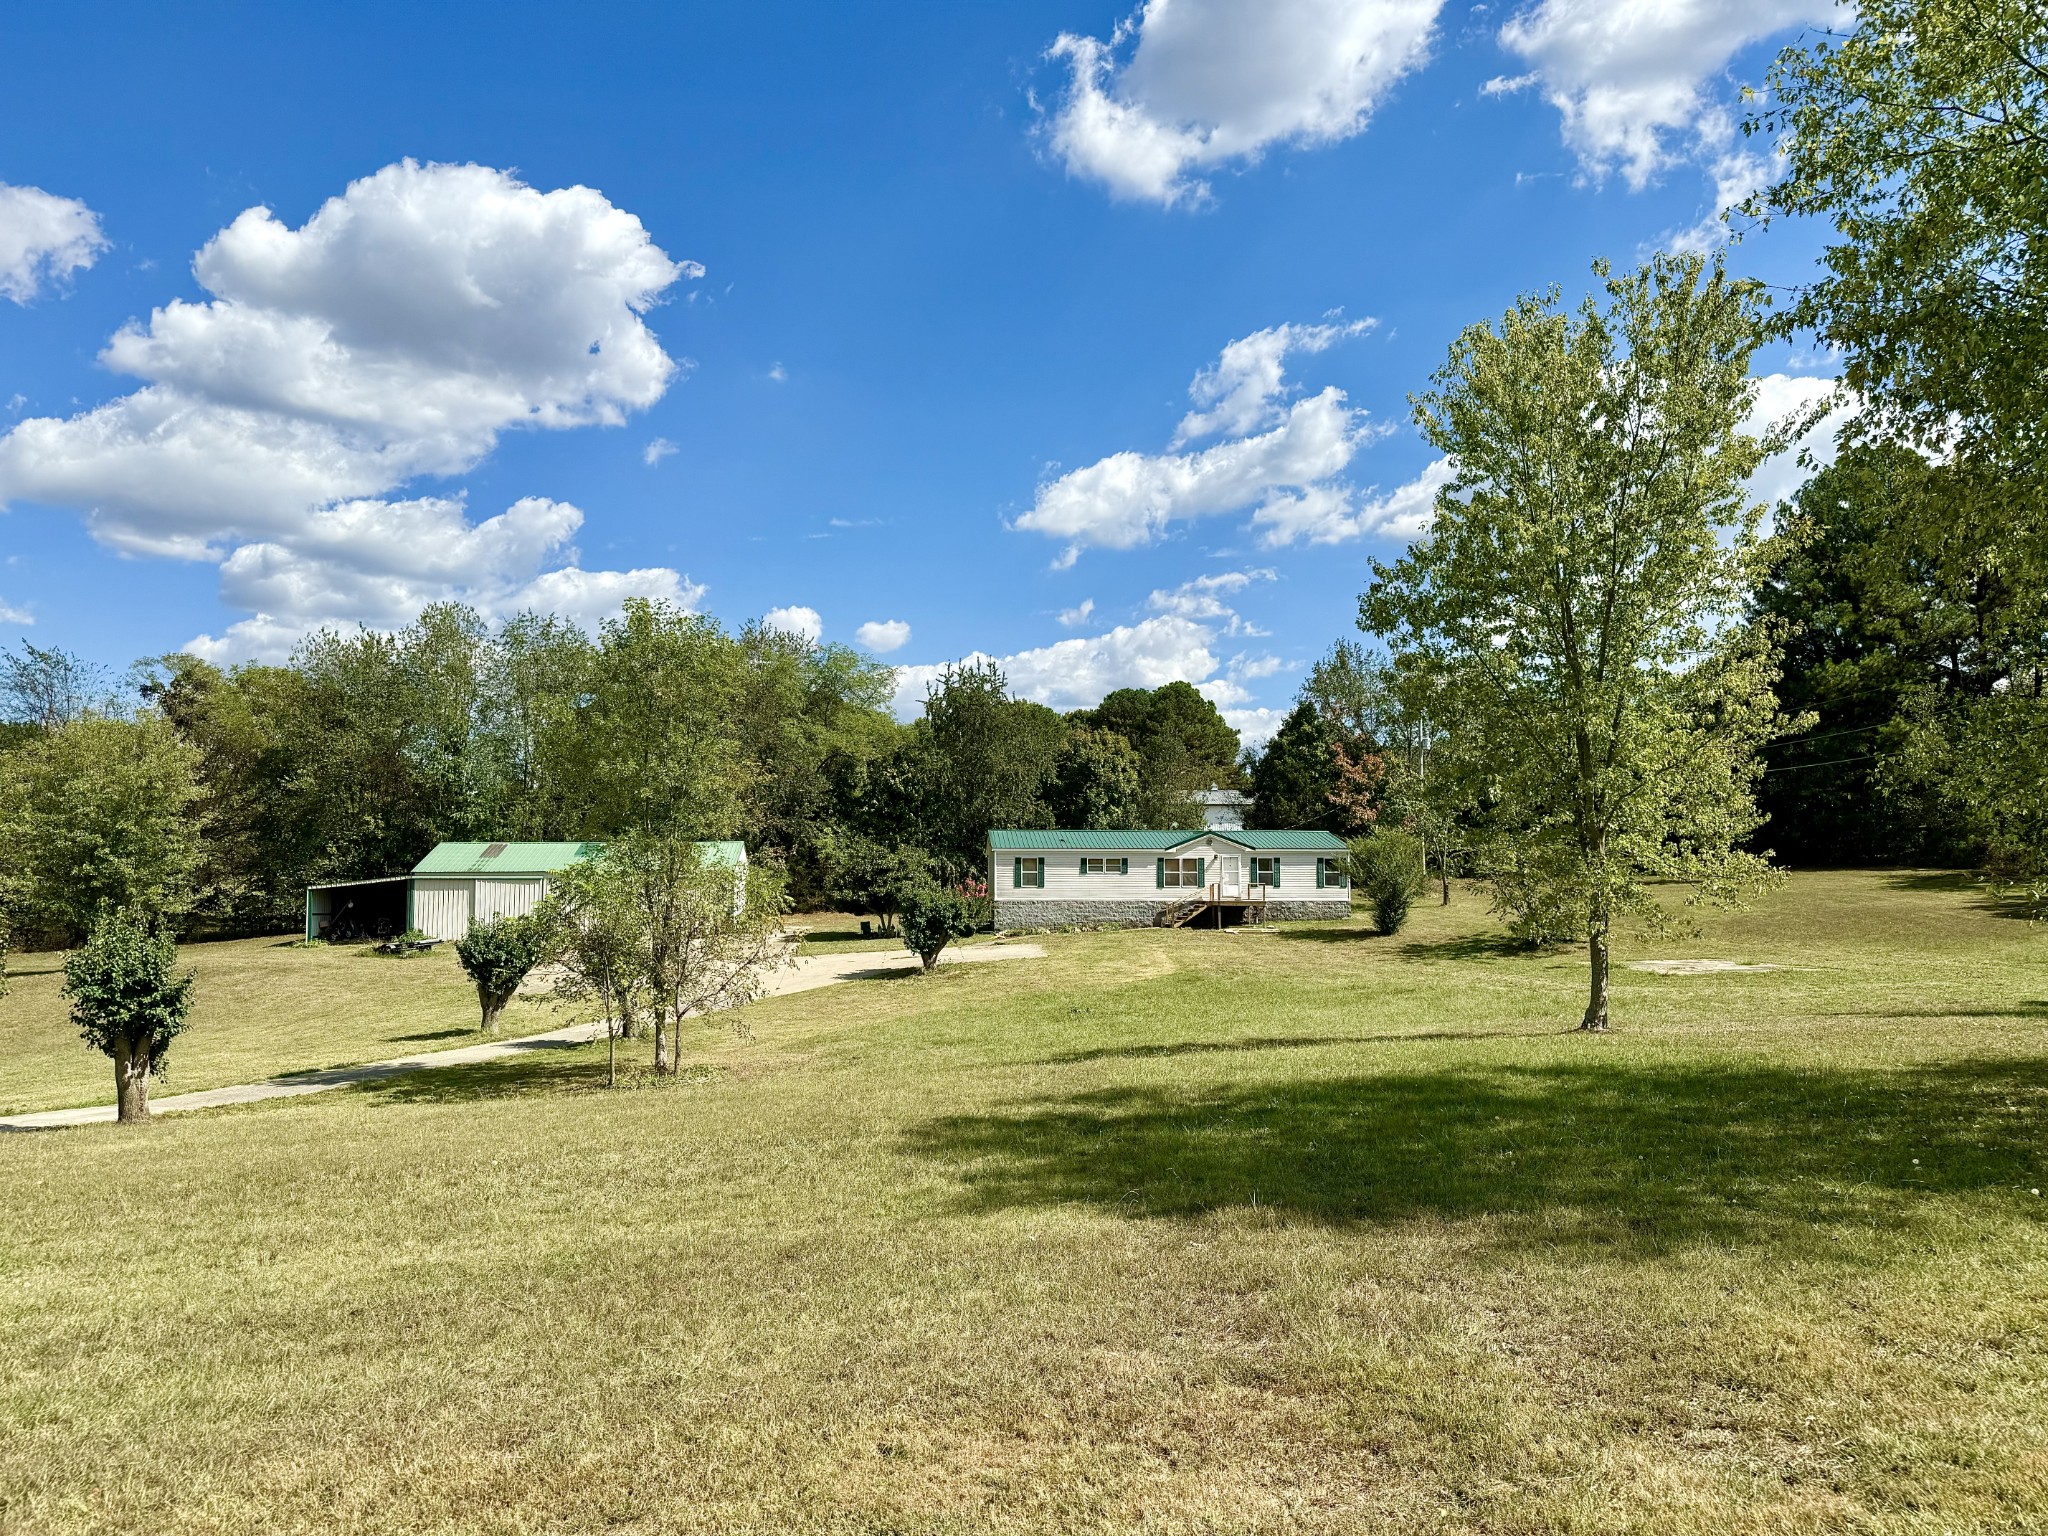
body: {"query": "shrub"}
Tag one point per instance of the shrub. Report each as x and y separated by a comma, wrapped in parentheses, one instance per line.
(498, 955)
(129, 1000)
(932, 918)
(1387, 870)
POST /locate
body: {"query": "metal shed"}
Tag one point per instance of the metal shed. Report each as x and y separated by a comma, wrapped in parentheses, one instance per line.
(463, 883)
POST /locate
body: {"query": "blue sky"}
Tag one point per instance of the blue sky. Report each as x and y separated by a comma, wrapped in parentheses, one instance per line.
(1069, 333)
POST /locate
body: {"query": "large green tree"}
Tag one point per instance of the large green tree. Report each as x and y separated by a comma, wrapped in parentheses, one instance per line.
(1097, 781)
(97, 815)
(1296, 779)
(1889, 595)
(1922, 137)
(1574, 599)
(1183, 743)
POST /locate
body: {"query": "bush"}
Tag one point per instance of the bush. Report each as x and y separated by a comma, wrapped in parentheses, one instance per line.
(129, 1000)
(1387, 870)
(932, 918)
(498, 955)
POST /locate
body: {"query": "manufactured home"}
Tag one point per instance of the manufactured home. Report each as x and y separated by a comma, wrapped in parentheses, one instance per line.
(1130, 879)
(459, 884)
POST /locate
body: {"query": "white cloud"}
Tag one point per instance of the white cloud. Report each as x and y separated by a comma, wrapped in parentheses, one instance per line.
(656, 451)
(1243, 388)
(9, 614)
(380, 562)
(1071, 674)
(1202, 598)
(883, 635)
(779, 374)
(1783, 397)
(1074, 618)
(396, 333)
(1736, 174)
(1629, 77)
(1208, 82)
(795, 620)
(44, 238)
(1129, 499)
(1330, 514)
(1255, 727)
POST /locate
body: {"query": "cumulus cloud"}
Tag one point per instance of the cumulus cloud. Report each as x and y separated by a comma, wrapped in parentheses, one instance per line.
(1255, 727)
(1081, 613)
(44, 238)
(1186, 86)
(883, 635)
(1071, 674)
(657, 450)
(795, 620)
(1203, 599)
(1331, 514)
(380, 562)
(395, 334)
(1630, 79)
(1281, 451)
(9, 614)
(1783, 398)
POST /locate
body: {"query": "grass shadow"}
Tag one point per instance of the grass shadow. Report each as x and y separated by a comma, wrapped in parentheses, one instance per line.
(540, 1072)
(1476, 946)
(1640, 1159)
(445, 1034)
(1269, 1043)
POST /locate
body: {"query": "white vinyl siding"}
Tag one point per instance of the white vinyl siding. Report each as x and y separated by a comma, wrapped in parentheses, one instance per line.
(1136, 873)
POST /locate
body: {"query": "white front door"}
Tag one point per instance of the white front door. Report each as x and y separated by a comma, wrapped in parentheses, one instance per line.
(1230, 876)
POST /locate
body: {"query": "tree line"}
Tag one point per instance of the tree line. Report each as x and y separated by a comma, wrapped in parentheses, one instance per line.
(212, 796)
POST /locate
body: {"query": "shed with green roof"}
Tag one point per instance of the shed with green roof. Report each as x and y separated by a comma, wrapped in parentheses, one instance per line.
(458, 884)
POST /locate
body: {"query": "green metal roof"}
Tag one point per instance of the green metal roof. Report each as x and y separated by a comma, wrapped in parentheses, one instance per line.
(537, 858)
(510, 859)
(1293, 842)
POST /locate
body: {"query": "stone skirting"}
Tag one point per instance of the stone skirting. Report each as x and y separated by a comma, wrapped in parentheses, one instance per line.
(1014, 916)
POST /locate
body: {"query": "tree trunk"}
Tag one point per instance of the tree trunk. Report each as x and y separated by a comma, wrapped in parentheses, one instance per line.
(493, 1006)
(1596, 1000)
(1443, 869)
(660, 1045)
(131, 1080)
(611, 1054)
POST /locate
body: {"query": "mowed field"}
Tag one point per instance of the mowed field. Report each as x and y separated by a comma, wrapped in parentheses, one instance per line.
(263, 1006)
(1298, 1230)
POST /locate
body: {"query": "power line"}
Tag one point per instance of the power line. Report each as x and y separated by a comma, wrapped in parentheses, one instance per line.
(1830, 763)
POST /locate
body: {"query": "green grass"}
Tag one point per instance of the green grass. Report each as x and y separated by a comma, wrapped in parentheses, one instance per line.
(263, 1006)
(1171, 1232)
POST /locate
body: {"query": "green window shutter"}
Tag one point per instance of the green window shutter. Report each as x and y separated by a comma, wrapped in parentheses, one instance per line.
(1276, 869)
(1123, 866)
(1016, 873)
(1322, 877)
(1160, 874)
(1201, 872)
(1084, 864)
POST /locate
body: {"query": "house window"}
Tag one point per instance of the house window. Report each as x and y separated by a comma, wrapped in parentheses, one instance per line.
(1265, 870)
(1331, 872)
(1105, 866)
(1180, 872)
(1030, 873)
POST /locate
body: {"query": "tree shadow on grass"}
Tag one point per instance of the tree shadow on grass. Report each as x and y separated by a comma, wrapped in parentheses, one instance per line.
(1591, 1154)
(1269, 1043)
(541, 1072)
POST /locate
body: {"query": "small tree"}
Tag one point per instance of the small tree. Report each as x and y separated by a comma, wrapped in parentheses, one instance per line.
(675, 932)
(1387, 870)
(932, 918)
(868, 876)
(498, 955)
(591, 932)
(129, 999)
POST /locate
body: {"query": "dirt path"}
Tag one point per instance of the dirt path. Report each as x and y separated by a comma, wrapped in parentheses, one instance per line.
(806, 975)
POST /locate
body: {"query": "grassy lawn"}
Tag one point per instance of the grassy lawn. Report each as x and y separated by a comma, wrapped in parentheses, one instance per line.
(1171, 1232)
(263, 1007)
